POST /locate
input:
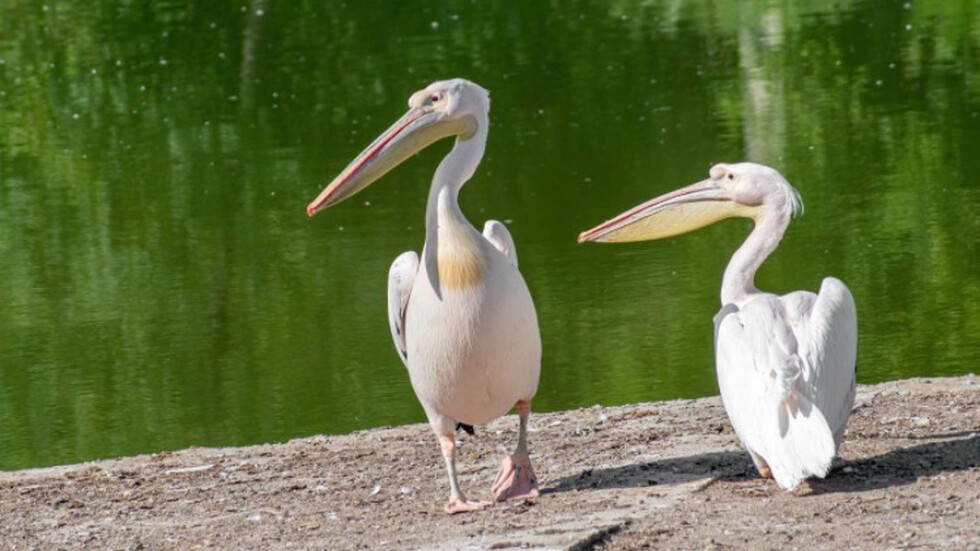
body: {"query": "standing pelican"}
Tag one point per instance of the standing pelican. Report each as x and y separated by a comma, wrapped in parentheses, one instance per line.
(785, 363)
(461, 315)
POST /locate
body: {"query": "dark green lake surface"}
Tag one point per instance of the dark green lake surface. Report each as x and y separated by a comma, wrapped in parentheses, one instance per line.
(161, 286)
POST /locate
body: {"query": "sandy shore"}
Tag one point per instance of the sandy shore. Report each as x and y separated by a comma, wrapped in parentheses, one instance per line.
(660, 475)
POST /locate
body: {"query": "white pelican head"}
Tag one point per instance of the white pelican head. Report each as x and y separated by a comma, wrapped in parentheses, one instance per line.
(747, 190)
(445, 108)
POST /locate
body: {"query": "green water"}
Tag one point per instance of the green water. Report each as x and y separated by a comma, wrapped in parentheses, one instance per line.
(161, 286)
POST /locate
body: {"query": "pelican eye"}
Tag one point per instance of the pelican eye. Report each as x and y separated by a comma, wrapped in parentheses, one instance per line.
(435, 98)
(730, 176)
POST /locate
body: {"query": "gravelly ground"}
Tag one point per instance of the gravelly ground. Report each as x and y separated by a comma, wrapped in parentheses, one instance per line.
(666, 475)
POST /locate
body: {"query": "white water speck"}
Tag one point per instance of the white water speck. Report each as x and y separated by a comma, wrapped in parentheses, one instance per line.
(194, 469)
(434, 25)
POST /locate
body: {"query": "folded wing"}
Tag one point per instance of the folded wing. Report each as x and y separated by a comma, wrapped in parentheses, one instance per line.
(401, 277)
(762, 375)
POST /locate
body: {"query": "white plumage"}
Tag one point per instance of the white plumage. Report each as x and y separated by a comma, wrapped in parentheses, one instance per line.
(785, 364)
(497, 233)
(786, 375)
(461, 317)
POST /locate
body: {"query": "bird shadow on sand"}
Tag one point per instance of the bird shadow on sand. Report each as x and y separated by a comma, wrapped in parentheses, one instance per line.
(896, 467)
(674, 470)
(904, 465)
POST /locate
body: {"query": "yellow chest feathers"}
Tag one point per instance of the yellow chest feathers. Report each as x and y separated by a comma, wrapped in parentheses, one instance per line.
(460, 263)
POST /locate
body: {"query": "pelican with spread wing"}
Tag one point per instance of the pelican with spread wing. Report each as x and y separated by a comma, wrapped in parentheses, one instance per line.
(461, 316)
(785, 364)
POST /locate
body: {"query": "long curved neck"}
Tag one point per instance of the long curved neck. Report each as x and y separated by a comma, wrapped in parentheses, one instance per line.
(739, 280)
(442, 212)
(455, 169)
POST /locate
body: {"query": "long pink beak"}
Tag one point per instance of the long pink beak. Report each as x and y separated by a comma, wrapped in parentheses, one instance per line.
(679, 211)
(405, 137)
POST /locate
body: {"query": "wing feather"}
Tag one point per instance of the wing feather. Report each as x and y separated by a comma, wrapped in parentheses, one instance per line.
(496, 233)
(759, 374)
(826, 328)
(401, 278)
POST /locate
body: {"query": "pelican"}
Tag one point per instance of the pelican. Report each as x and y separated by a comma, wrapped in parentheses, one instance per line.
(785, 364)
(461, 316)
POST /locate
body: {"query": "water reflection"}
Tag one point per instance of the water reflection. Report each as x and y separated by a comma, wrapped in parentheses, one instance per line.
(163, 288)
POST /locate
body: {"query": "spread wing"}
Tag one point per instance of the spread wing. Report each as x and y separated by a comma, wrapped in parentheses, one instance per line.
(401, 277)
(497, 234)
(826, 328)
(761, 375)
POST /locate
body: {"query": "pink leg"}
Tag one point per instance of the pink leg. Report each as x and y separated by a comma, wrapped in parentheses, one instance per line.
(458, 503)
(761, 465)
(515, 479)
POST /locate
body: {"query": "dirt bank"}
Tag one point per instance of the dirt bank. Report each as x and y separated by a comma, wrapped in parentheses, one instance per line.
(658, 475)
